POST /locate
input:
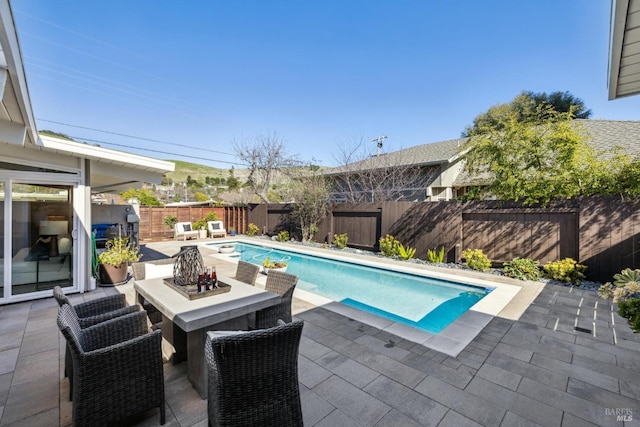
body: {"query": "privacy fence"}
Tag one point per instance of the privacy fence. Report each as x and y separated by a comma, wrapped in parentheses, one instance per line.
(152, 219)
(602, 233)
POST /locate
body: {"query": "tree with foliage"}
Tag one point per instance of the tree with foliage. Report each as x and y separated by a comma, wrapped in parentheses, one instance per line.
(144, 196)
(232, 182)
(529, 107)
(201, 197)
(265, 156)
(191, 181)
(535, 161)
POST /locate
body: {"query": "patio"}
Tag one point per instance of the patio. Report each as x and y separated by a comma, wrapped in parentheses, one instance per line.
(531, 370)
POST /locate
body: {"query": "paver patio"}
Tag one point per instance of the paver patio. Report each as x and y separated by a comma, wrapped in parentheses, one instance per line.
(536, 370)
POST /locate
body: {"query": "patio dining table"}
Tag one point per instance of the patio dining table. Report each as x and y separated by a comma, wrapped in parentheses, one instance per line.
(185, 322)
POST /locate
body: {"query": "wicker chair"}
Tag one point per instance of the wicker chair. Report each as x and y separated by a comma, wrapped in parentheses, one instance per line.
(283, 284)
(247, 272)
(91, 313)
(253, 377)
(139, 273)
(117, 368)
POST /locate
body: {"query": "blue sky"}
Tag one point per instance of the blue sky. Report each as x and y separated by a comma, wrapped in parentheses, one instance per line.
(321, 74)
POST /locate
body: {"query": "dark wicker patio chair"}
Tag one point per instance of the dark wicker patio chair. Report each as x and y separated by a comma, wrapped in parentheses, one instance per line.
(139, 273)
(253, 377)
(117, 368)
(283, 284)
(247, 272)
(96, 311)
(91, 313)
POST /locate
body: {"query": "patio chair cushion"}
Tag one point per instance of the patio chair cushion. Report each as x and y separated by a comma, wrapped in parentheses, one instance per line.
(186, 227)
(152, 271)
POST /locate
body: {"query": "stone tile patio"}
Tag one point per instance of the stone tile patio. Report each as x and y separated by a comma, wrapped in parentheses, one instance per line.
(531, 370)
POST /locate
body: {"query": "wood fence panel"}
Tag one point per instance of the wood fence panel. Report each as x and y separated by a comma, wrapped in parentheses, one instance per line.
(152, 218)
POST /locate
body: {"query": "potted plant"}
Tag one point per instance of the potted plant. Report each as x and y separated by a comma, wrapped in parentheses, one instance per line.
(269, 265)
(115, 259)
(232, 231)
(226, 249)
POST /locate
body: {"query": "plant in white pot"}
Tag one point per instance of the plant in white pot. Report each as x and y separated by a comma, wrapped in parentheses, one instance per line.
(269, 265)
(115, 259)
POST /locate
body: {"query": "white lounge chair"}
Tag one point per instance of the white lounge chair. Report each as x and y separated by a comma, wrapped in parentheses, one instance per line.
(216, 228)
(184, 231)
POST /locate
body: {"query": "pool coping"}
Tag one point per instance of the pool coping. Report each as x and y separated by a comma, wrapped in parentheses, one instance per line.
(452, 339)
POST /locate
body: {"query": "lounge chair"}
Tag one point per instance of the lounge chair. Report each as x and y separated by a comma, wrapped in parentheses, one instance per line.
(283, 284)
(184, 231)
(216, 228)
(253, 377)
(117, 367)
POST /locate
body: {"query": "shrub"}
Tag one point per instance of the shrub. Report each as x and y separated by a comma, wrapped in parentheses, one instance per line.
(406, 253)
(340, 240)
(283, 236)
(252, 230)
(267, 263)
(630, 309)
(199, 224)
(606, 291)
(476, 259)
(522, 269)
(565, 270)
(627, 276)
(435, 256)
(389, 246)
(170, 221)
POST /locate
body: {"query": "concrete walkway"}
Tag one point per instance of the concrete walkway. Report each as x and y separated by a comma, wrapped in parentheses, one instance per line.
(533, 370)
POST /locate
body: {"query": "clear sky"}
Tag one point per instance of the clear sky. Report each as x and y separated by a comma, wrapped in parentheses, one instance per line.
(201, 74)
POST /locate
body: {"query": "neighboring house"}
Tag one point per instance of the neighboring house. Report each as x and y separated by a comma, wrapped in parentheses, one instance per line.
(624, 49)
(422, 173)
(435, 172)
(46, 185)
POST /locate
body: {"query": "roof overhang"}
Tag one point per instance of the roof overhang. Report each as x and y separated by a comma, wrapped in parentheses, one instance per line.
(110, 170)
(624, 49)
(17, 124)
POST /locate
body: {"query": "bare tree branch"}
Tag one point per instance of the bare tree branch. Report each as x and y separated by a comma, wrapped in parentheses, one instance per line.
(265, 156)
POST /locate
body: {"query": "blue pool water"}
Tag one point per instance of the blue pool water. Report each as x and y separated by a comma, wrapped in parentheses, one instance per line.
(422, 302)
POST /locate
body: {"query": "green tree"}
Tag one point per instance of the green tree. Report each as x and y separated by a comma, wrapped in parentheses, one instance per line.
(144, 196)
(529, 107)
(529, 162)
(201, 197)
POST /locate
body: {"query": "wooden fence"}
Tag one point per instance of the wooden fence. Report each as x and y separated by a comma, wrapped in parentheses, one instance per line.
(152, 219)
(602, 233)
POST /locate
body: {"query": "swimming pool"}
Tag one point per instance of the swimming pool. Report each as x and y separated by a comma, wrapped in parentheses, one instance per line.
(422, 302)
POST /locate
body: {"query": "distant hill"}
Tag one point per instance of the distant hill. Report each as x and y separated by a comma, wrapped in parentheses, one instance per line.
(200, 172)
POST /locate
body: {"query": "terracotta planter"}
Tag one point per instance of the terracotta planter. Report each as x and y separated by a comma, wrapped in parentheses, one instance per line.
(113, 275)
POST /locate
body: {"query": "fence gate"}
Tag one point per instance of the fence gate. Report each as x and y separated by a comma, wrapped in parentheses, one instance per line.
(362, 227)
(542, 236)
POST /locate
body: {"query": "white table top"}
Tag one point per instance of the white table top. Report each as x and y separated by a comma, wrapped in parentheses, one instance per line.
(191, 315)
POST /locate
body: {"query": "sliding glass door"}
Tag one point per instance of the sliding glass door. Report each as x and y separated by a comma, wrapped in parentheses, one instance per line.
(42, 218)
